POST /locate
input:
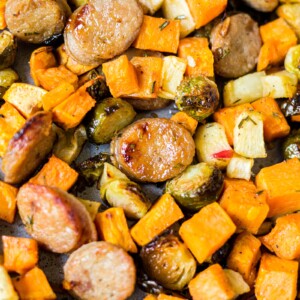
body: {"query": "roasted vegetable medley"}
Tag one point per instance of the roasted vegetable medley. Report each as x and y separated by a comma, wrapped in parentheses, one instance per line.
(149, 149)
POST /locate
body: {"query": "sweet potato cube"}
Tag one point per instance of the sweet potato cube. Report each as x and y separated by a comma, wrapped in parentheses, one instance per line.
(10, 122)
(57, 95)
(276, 279)
(212, 283)
(204, 11)
(2, 14)
(227, 117)
(150, 297)
(168, 297)
(284, 237)
(34, 285)
(244, 256)
(207, 231)
(158, 34)
(51, 78)
(91, 206)
(71, 111)
(121, 76)
(282, 184)
(275, 124)
(246, 207)
(163, 214)
(239, 184)
(295, 118)
(8, 202)
(56, 173)
(41, 58)
(112, 227)
(186, 121)
(200, 60)
(20, 254)
(149, 71)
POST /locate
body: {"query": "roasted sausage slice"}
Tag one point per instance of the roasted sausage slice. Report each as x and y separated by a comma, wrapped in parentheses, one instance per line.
(56, 219)
(102, 29)
(153, 150)
(236, 44)
(148, 104)
(100, 270)
(35, 21)
(28, 147)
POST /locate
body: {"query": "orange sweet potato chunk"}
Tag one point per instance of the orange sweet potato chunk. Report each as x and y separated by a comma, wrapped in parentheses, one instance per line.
(200, 60)
(2, 14)
(121, 76)
(211, 283)
(8, 202)
(283, 240)
(276, 279)
(275, 124)
(207, 231)
(158, 34)
(186, 121)
(20, 254)
(56, 173)
(282, 184)
(244, 256)
(163, 214)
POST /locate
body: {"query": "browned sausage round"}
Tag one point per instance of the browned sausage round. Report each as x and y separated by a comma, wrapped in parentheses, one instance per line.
(262, 5)
(56, 219)
(100, 270)
(102, 29)
(28, 147)
(236, 44)
(35, 21)
(153, 150)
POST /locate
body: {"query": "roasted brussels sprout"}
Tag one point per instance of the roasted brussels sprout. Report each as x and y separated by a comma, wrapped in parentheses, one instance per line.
(292, 59)
(197, 186)
(111, 173)
(7, 78)
(92, 168)
(291, 106)
(69, 143)
(169, 262)
(107, 118)
(98, 90)
(197, 96)
(8, 49)
(291, 145)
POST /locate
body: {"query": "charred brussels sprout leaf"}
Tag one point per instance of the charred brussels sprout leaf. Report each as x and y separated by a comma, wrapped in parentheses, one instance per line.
(98, 90)
(197, 186)
(8, 49)
(291, 145)
(69, 143)
(7, 78)
(291, 106)
(169, 262)
(92, 168)
(107, 118)
(198, 97)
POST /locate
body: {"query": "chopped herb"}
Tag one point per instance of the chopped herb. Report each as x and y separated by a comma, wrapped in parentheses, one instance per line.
(164, 25)
(259, 192)
(132, 146)
(275, 114)
(154, 115)
(236, 101)
(209, 125)
(180, 17)
(153, 87)
(29, 222)
(179, 165)
(145, 54)
(246, 119)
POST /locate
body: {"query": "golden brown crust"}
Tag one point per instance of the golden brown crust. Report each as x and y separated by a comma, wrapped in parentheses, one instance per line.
(100, 270)
(153, 150)
(148, 104)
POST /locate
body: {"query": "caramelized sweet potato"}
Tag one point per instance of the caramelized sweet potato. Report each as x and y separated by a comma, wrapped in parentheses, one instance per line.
(8, 202)
(186, 121)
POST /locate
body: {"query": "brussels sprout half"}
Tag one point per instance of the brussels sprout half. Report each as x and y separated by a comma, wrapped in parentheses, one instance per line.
(291, 106)
(197, 96)
(108, 117)
(8, 49)
(197, 186)
(291, 145)
(169, 262)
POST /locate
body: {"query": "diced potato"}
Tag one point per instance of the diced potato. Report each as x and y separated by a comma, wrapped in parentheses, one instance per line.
(179, 10)
(25, 97)
(244, 89)
(7, 291)
(91, 206)
(151, 6)
(281, 84)
(291, 61)
(240, 167)
(248, 135)
(172, 73)
(237, 282)
(291, 12)
(212, 145)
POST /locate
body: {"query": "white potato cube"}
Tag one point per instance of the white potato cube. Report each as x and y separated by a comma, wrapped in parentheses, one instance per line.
(237, 282)
(240, 167)
(179, 10)
(281, 84)
(172, 74)
(212, 146)
(151, 6)
(7, 291)
(245, 89)
(248, 135)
